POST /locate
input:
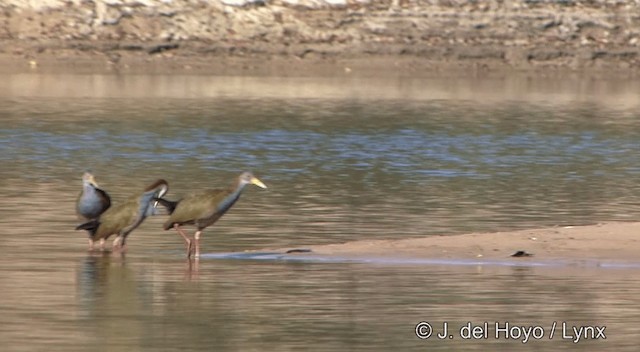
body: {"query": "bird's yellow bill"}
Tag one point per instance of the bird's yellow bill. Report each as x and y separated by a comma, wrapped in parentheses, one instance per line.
(92, 181)
(258, 183)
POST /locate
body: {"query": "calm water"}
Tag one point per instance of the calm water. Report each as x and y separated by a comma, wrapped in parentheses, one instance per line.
(344, 159)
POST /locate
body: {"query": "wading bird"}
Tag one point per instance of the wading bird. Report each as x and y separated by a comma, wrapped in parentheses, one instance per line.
(204, 208)
(92, 200)
(123, 218)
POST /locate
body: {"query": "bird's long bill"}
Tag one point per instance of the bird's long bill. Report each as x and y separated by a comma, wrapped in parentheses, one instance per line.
(92, 180)
(258, 183)
(162, 192)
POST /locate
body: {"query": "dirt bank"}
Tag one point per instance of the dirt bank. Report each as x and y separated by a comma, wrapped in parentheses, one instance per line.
(610, 242)
(319, 36)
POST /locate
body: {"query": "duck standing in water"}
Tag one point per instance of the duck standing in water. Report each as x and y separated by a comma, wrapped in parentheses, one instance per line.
(123, 218)
(92, 201)
(204, 208)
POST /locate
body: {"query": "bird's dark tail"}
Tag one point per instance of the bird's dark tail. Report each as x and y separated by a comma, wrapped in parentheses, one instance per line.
(90, 226)
(169, 204)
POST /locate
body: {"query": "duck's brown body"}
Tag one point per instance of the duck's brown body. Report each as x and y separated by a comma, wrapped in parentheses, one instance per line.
(204, 208)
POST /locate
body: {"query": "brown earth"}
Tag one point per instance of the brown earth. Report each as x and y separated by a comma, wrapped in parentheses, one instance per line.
(609, 242)
(316, 37)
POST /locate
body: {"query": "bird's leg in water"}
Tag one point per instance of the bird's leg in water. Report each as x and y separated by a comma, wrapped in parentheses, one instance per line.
(90, 245)
(117, 243)
(187, 240)
(102, 244)
(197, 238)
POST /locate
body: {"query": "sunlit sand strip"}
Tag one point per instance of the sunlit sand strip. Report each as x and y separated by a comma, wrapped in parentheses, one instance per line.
(610, 245)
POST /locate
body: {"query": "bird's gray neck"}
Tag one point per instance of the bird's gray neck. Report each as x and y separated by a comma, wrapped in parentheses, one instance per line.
(89, 190)
(228, 201)
(146, 203)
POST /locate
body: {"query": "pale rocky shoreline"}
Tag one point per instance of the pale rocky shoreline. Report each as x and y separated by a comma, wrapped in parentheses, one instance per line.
(313, 37)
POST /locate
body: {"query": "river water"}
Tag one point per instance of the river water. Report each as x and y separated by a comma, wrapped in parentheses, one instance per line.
(345, 159)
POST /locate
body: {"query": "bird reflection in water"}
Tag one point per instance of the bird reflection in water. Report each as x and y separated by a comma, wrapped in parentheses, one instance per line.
(92, 276)
(192, 270)
(107, 287)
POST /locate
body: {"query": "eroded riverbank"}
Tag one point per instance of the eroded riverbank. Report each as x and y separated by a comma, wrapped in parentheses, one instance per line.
(320, 37)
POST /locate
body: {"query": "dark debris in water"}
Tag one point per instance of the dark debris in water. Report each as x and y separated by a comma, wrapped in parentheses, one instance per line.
(520, 254)
(298, 250)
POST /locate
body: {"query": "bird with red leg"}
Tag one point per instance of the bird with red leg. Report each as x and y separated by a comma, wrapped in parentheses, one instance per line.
(203, 209)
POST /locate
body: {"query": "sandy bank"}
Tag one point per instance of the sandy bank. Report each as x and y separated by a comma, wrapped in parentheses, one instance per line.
(609, 242)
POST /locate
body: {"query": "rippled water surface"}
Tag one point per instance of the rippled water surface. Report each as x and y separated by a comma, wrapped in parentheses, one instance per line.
(345, 159)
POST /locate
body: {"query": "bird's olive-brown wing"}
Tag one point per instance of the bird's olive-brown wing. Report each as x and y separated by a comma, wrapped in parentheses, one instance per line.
(197, 206)
(116, 218)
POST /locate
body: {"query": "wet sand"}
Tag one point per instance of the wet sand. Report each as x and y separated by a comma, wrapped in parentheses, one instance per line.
(601, 243)
(381, 66)
(73, 61)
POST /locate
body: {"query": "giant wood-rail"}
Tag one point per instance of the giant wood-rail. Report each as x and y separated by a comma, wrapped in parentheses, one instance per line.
(123, 218)
(92, 201)
(204, 208)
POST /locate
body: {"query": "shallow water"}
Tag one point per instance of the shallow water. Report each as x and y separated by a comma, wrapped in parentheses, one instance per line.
(344, 159)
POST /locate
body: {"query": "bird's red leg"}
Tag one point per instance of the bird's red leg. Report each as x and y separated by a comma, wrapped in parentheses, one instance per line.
(197, 238)
(116, 242)
(187, 240)
(90, 245)
(102, 244)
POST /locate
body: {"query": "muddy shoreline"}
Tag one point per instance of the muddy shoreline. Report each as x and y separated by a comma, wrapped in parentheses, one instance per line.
(32, 58)
(320, 37)
(611, 243)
